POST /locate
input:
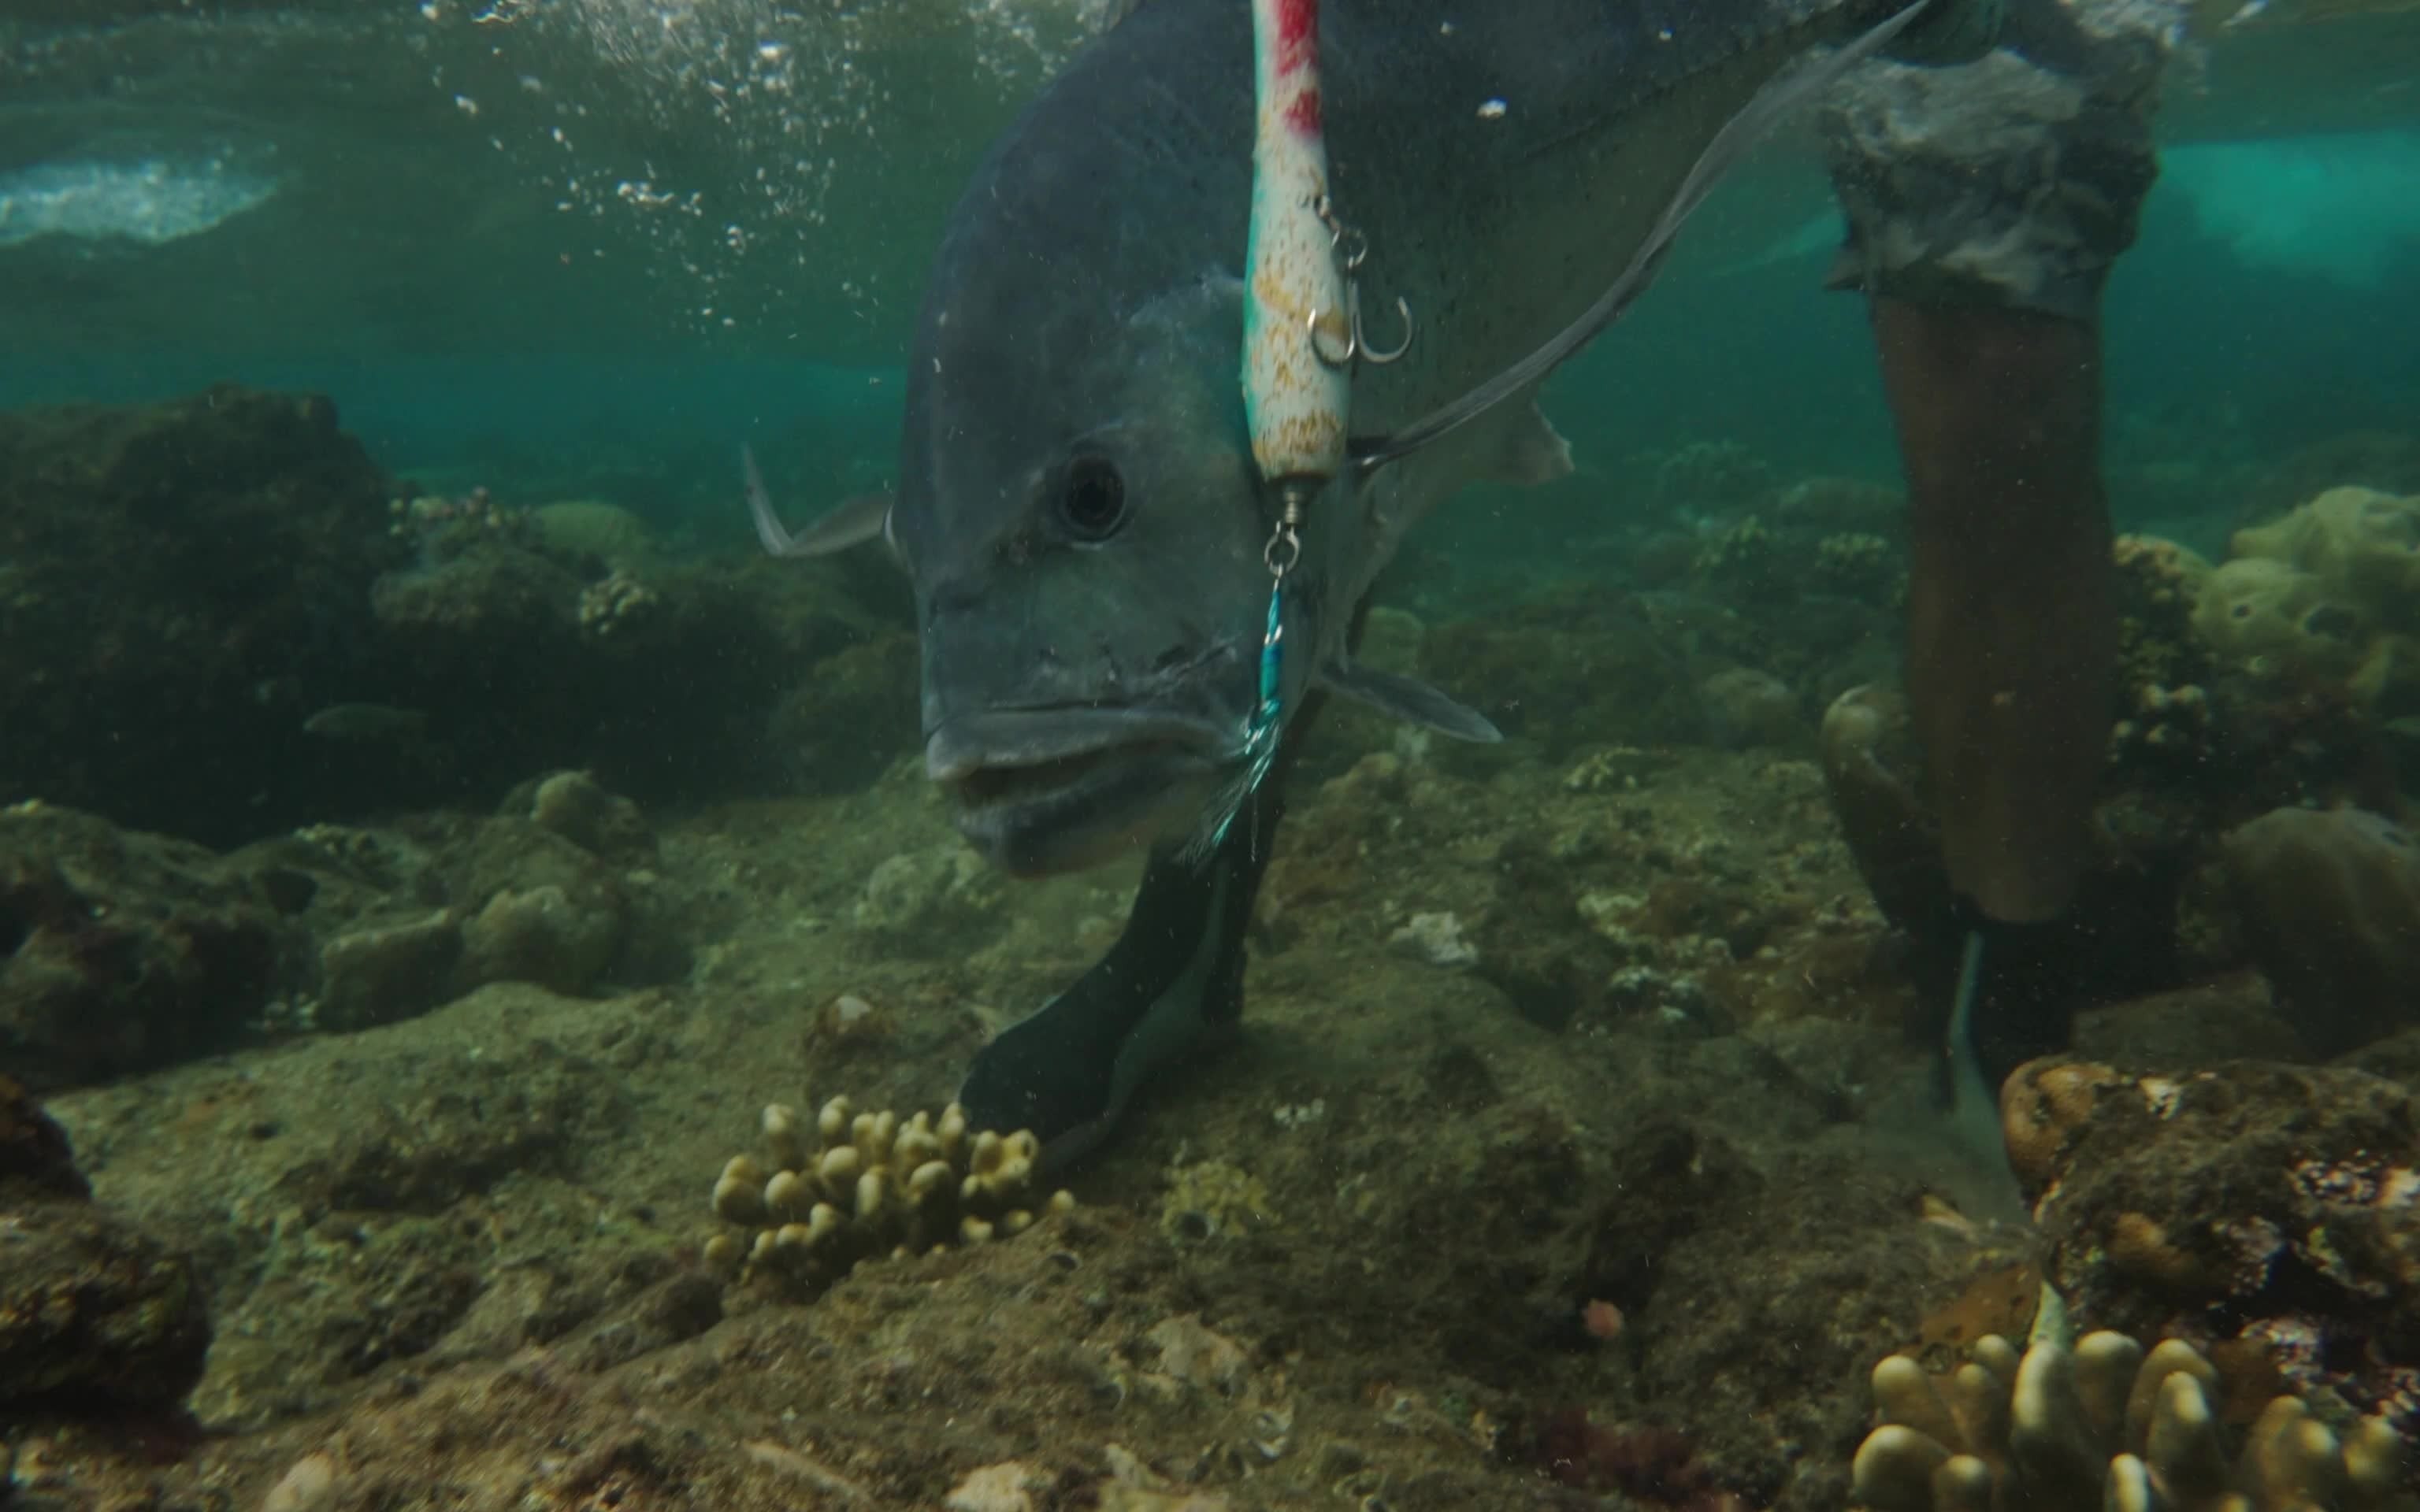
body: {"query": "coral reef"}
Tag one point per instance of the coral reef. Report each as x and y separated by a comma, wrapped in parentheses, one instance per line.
(2102, 1423)
(1570, 1149)
(2164, 734)
(264, 575)
(2256, 610)
(1859, 564)
(1744, 560)
(1708, 475)
(558, 890)
(2363, 545)
(1746, 707)
(2329, 591)
(122, 951)
(2250, 1203)
(1632, 688)
(841, 727)
(2330, 901)
(853, 1185)
(238, 534)
(614, 536)
(440, 528)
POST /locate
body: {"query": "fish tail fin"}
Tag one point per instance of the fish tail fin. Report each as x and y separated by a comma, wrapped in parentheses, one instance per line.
(1974, 1102)
(855, 521)
(1777, 101)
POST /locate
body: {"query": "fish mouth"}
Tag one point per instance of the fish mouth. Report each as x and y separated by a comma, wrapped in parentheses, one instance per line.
(1048, 790)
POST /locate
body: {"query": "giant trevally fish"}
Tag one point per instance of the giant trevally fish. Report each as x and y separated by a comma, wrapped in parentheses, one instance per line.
(1078, 507)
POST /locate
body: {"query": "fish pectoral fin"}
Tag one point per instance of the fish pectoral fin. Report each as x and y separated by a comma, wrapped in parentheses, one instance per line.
(854, 523)
(1409, 700)
(1532, 451)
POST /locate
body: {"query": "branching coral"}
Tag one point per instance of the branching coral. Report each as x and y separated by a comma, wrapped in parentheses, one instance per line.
(851, 1185)
(2102, 1423)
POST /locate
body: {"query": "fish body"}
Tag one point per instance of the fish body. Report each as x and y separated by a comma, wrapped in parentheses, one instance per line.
(378, 723)
(1078, 506)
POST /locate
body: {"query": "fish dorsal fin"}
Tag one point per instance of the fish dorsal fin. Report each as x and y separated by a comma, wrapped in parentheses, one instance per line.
(853, 522)
(1777, 99)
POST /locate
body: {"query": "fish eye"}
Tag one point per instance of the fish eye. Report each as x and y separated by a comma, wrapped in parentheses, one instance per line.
(1093, 499)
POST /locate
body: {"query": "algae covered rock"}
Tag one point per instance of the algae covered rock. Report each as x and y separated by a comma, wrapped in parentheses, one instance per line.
(180, 585)
(558, 890)
(120, 951)
(538, 907)
(1571, 668)
(574, 806)
(929, 901)
(2259, 607)
(2275, 1206)
(2363, 545)
(852, 717)
(1747, 707)
(387, 969)
(93, 1312)
(2331, 591)
(2331, 907)
(597, 527)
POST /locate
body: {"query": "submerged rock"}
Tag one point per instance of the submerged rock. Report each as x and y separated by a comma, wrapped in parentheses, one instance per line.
(93, 1312)
(281, 641)
(2331, 905)
(120, 951)
(2278, 1206)
(181, 585)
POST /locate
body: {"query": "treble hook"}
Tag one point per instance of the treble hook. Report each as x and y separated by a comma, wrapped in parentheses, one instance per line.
(1361, 336)
(1357, 335)
(1353, 249)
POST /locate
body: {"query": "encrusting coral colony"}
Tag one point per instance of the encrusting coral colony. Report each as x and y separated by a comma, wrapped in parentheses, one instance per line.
(853, 1185)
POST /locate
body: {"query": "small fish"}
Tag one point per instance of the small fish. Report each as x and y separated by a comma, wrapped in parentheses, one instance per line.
(381, 723)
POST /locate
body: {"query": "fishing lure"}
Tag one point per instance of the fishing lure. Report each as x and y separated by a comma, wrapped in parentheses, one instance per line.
(1298, 309)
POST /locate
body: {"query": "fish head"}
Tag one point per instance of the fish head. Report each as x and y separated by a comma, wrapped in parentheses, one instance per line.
(1083, 526)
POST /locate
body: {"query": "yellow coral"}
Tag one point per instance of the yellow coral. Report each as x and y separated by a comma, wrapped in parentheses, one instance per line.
(2364, 547)
(2102, 1425)
(592, 527)
(2040, 1105)
(2139, 1246)
(850, 1185)
(2263, 606)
